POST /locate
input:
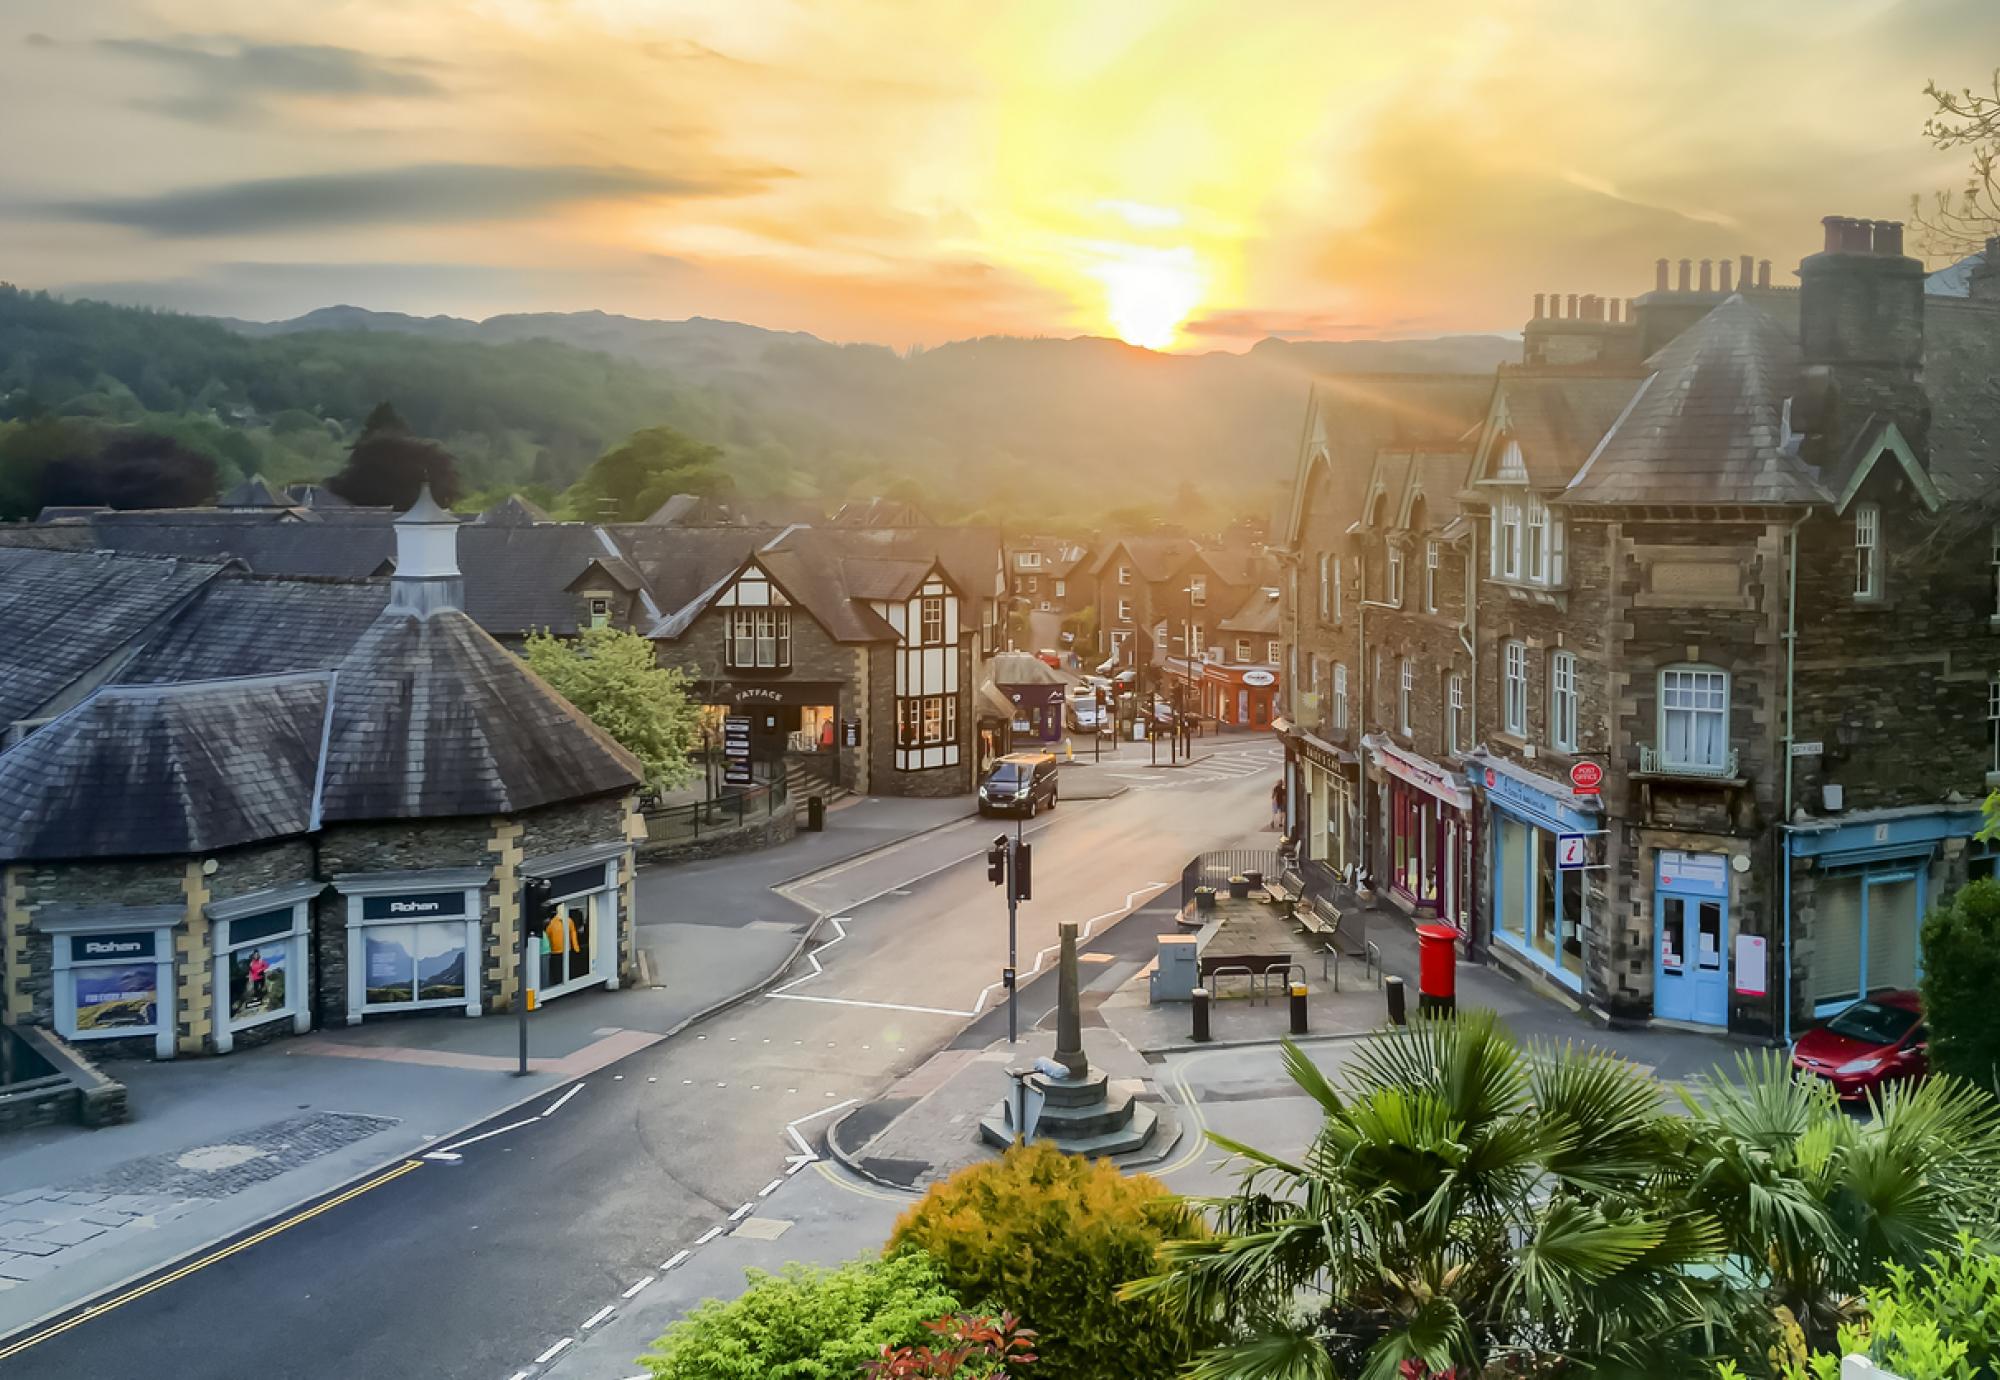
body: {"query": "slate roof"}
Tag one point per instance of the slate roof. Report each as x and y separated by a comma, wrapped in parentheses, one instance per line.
(1436, 477)
(137, 771)
(62, 613)
(1023, 668)
(1556, 417)
(513, 511)
(1259, 614)
(679, 563)
(694, 510)
(1153, 558)
(315, 496)
(1355, 416)
(253, 492)
(1706, 426)
(432, 717)
(1962, 377)
(250, 625)
(880, 512)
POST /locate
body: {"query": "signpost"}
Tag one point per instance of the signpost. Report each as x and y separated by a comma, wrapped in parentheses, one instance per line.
(1585, 778)
(736, 750)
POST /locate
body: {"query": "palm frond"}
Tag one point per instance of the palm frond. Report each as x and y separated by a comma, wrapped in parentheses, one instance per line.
(1274, 1355)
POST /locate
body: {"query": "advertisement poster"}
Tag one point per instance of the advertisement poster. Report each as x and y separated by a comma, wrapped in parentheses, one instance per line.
(257, 980)
(415, 962)
(390, 965)
(440, 955)
(121, 996)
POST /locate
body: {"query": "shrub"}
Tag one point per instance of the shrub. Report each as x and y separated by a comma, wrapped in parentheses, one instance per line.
(969, 1349)
(805, 1323)
(1940, 1322)
(1961, 973)
(1052, 1237)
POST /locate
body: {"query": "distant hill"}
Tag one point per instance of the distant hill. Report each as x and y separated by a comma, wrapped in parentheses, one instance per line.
(533, 398)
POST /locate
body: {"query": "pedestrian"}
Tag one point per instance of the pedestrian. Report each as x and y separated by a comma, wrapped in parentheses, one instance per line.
(1278, 805)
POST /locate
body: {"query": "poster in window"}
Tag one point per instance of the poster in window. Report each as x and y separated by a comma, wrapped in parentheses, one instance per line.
(440, 960)
(389, 961)
(257, 980)
(117, 996)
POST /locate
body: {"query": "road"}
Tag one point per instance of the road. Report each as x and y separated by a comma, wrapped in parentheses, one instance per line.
(487, 1258)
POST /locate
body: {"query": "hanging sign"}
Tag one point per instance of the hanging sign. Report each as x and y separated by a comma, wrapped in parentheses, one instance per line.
(1585, 778)
(1572, 851)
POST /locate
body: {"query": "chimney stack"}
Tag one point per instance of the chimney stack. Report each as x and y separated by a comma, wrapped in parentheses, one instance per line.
(1708, 275)
(1984, 284)
(1722, 267)
(1748, 266)
(1763, 273)
(427, 577)
(1660, 276)
(1539, 300)
(1687, 275)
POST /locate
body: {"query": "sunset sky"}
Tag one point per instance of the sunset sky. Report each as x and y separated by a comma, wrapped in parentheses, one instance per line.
(1182, 173)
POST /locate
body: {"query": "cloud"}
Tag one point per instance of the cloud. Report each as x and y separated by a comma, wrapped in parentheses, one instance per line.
(435, 193)
(228, 76)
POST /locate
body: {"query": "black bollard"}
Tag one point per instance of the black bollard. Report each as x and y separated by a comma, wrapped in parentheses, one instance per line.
(1398, 1015)
(1201, 1015)
(1298, 1008)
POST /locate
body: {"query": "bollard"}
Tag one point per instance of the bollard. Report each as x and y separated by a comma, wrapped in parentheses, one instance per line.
(1398, 1015)
(1298, 1008)
(1201, 1015)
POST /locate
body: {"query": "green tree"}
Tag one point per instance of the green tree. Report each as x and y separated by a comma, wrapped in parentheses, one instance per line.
(1961, 973)
(388, 467)
(805, 1323)
(628, 482)
(1051, 1237)
(612, 676)
(1959, 222)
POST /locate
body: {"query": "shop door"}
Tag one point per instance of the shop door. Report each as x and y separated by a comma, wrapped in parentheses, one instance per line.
(1691, 939)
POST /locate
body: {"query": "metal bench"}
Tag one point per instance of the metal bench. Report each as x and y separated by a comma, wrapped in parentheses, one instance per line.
(1251, 966)
(1320, 919)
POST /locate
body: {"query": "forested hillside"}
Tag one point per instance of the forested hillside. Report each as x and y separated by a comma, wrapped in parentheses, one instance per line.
(532, 400)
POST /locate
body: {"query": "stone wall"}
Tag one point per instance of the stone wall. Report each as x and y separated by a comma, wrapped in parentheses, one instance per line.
(757, 831)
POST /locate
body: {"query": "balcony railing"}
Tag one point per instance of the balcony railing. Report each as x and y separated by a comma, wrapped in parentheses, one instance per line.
(1653, 762)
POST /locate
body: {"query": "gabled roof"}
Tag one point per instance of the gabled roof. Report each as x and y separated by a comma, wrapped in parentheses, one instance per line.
(1708, 426)
(880, 512)
(137, 771)
(513, 511)
(1434, 476)
(1556, 418)
(695, 510)
(1259, 614)
(316, 496)
(63, 613)
(1350, 419)
(253, 492)
(1879, 439)
(1153, 558)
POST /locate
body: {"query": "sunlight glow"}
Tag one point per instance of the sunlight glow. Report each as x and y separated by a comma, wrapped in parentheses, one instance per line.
(1149, 293)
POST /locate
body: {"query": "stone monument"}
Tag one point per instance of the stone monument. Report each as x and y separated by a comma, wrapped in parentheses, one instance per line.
(1082, 1112)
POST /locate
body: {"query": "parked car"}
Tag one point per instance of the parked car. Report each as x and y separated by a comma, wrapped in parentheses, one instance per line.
(1084, 714)
(1878, 1040)
(1020, 783)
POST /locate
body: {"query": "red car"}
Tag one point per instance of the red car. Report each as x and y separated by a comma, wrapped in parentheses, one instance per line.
(1878, 1040)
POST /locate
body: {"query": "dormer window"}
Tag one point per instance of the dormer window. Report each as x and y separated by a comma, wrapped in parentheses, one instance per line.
(1527, 540)
(1867, 552)
(1030, 560)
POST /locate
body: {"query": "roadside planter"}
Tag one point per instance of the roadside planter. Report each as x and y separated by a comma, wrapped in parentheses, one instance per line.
(1204, 898)
(1239, 888)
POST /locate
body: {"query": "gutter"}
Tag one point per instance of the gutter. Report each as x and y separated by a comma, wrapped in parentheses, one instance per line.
(1791, 711)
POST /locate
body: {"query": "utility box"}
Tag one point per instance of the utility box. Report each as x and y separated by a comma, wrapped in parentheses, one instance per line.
(1177, 970)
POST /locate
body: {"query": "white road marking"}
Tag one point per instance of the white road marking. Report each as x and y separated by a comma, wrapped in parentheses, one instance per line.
(600, 1315)
(557, 1105)
(768, 1189)
(676, 1258)
(872, 1005)
(484, 1135)
(518, 1375)
(553, 1352)
(444, 1157)
(741, 1212)
(708, 1236)
(792, 1127)
(1089, 927)
(640, 1285)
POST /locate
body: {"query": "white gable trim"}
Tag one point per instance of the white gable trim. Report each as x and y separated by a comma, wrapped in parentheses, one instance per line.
(1891, 442)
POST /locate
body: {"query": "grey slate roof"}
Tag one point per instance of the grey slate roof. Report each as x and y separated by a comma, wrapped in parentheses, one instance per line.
(1962, 377)
(1557, 418)
(251, 625)
(1259, 614)
(137, 771)
(1358, 415)
(513, 511)
(62, 613)
(253, 492)
(432, 717)
(1023, 668)
(1706, 427)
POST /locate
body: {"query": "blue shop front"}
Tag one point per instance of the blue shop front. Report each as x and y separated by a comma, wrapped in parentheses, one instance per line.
(1540, 894)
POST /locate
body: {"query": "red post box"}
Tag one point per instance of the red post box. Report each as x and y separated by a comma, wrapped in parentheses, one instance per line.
(1437, 969)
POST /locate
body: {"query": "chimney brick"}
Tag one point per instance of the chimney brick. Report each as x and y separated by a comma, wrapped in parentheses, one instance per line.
(1687, 275)
(1749, 266)
(1763, 273)
(1539, 299)
(1660, 275)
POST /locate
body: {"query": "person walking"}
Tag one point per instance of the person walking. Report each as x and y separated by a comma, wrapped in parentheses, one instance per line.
(1278, 806)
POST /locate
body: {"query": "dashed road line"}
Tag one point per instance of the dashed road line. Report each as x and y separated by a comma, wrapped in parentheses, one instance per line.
(599, 1316)
(635, 1288)
(675, 1259)
(554, 1351)
(708, 1236)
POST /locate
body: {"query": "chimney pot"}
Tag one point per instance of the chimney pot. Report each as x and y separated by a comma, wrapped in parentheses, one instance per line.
(1889, 238)
(1836, 237)
(1687, 274)
(1660, 275)
(1708, 275)
(1722, 269)
(1538, 306)
(1749, 266)
(1572, 306)
(1763, 273)
(1631, 309)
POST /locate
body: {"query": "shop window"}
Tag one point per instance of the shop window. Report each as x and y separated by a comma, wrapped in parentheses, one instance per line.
(1515, 698)
(1406, 685)
(760, 639)
(1865, 935)
(1694, 718)
(1339, 696)
(1431, 557)
(116, 985)
(1455, 735)
(260, 970)
(1540, 910)
(1563, 701)
(1395, 574)
(411, 950)
(600, 613)
(1867, 552)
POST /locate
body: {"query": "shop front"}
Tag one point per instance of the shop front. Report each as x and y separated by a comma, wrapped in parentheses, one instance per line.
(113, 973)
(1324, 812)
(578, 944)
(1426, 833)
(1691, 933)
(413, 940)
(263, 983)
(791, 718)
(1240, 696)
(1037, 714)
(1540, 910)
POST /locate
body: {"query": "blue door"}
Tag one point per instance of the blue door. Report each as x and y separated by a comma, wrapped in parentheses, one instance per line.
(1691, 938)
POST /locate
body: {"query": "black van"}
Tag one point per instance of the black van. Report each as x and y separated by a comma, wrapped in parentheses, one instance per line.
(1020, 783)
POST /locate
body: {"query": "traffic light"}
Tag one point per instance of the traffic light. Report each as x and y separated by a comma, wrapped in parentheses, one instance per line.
(1024, 872)
(996, 862)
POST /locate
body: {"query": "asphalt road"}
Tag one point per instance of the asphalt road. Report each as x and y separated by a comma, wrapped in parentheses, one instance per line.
(491, 1263)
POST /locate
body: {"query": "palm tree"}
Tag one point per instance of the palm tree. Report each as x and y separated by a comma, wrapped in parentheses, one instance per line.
(1462, 1205)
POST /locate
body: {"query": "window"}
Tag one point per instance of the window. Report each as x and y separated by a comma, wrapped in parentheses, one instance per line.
(1527, 541)
(1868, 552)
(1271, 651)
(1195, 640)
(600, 613)
(1694, 717)
(1993, 717)
(1404, 694)
(1030, 560)
(760, 639)
(1325, 587)
(1340, 696)
(1062, 589)
(1454, 719)
(1314, 668)
(1535, 564)
(1996, 570)
(1507, 538)
(259, 969)
(926, 720)
(1034, 584)
(932, 618)
(933, 718)
(1337, 600)
(1431, 555)
(1198, 591)
(1395, 595)
(1124, 574)
(1515, 700)
(1562, 701)
(1124, 610)
(1242, 649)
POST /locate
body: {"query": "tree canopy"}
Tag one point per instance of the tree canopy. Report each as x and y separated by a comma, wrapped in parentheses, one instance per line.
(612, 676)
(628, 482)
(388, 467)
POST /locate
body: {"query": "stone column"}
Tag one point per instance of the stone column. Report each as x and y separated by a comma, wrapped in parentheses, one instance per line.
(1069, 1008)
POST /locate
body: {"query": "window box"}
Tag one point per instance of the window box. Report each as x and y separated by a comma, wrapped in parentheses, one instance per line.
(1652, 762)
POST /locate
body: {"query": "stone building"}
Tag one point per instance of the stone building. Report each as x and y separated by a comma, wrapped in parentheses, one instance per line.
(1164, 596)
(296, 802)
(1735, 551)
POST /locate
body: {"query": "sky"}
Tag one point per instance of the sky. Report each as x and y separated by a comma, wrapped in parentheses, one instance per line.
(1183, 174)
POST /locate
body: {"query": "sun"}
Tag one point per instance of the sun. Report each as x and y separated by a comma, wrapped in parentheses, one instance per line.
(1149, 293)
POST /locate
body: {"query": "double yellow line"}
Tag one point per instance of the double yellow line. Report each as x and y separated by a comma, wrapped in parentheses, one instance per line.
(98, 1310)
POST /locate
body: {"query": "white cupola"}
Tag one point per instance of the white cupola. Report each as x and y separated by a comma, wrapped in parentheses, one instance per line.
(427, 576)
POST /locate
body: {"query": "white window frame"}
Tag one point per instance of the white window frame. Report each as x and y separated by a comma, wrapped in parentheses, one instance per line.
(1454, 741)
(1406, 685)
(1340, 695)
(1124, 610)
(1029, 560)
(930, 620)
(166, 1006)
(1993, 718)
(1562, 701)
(470, 914)
(1326, 566)
(1692, 686)
(1198, 591)
(1432, 557)
(1062, 589)
(760, 638)
(1507, 545)
(1996, 570)
(600, 612)
(1242, 650)
(1124, 574)
(1271, 651)
(1395, 553)
(1196, 640)
(1535, 560)
(223, 917)
(1867, 552)
(1514, 696)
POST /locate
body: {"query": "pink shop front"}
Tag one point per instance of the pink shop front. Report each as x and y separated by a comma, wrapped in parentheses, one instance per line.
(1424, 833)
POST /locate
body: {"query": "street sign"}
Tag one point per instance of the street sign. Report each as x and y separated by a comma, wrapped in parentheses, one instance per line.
(736, 750)
(1816, 748)
(1585, 778)
(1571, 852)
